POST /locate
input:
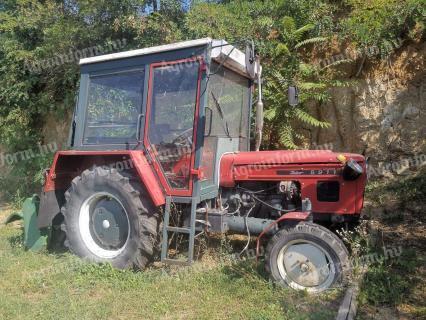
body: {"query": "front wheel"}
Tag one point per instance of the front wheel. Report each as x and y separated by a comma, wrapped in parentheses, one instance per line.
(307, 257)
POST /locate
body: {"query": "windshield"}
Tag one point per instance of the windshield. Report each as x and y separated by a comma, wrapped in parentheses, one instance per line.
(113, 105)
(229, 101)
(227, 116)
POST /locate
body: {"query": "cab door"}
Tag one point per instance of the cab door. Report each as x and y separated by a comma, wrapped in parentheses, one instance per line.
(171, 122)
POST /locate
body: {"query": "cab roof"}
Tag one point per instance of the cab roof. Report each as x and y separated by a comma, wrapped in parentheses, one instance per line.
(220, 51)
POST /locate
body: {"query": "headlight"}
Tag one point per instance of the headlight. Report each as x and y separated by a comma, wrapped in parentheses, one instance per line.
(352, 170)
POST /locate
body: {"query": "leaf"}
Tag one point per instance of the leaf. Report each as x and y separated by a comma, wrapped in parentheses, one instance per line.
(288, 24)
(282, 49)
(270, 114)
(336, 63)
(286, 137)
(304, 29)
(309, 119)
(309, 41)
(312, 85)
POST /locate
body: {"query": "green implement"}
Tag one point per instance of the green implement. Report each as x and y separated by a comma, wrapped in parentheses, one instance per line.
(34, 238)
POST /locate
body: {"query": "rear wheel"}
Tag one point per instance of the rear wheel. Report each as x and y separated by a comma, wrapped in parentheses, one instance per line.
(107, 218)
(307, 257)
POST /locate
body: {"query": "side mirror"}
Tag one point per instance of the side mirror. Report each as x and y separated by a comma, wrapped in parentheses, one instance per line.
(293, 96)
(250, 60)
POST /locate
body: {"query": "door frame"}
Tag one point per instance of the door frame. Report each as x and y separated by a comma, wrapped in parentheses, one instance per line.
(156, 165)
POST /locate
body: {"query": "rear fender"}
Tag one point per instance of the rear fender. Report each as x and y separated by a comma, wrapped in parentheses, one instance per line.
(69, 164)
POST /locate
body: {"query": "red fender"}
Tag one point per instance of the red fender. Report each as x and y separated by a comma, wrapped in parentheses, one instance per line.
(295, 216)
(68, 164)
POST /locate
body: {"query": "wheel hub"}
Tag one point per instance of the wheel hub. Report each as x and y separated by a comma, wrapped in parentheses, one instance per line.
(109, 224)
(104, 225)
(305, 264)
(304, 267)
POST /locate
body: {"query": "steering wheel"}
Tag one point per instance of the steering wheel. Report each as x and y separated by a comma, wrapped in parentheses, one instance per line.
(185, 136)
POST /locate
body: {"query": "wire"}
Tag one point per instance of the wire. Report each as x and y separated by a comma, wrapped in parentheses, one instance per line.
(271, 206)
(248, 230)
(265, 203)
(234, 212)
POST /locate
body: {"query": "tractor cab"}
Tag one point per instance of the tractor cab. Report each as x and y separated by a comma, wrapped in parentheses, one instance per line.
(186, 104)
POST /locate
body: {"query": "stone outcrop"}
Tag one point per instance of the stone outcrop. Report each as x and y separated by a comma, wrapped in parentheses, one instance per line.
(381, 114)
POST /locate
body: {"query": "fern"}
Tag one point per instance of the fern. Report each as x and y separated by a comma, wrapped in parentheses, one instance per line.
(309, 119)
(286, 137)
(289, 69)
(304, 29)
(270, 114)
(338, 62)
(312, 85)
(282, 81)
(309, 41)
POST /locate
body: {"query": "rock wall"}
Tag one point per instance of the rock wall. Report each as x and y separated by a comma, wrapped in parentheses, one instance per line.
(57, 130)
(381, 114)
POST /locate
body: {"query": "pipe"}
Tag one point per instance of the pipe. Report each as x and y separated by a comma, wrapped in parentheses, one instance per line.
(259, 107)
(255, 225)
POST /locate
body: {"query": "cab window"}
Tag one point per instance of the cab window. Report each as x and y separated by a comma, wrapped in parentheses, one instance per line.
(113, 105)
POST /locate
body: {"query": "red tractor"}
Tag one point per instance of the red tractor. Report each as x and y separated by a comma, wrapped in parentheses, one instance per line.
(167, 129)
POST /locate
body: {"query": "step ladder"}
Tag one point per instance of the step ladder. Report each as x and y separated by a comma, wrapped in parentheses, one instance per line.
(167, 228)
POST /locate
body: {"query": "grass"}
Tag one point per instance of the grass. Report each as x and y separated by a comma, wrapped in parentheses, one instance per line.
(396, 288)
(53, 286)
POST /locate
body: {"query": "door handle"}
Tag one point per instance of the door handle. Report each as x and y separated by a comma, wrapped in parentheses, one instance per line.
(196, 172)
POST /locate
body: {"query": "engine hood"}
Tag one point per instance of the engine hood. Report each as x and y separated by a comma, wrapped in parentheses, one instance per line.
(286, 157)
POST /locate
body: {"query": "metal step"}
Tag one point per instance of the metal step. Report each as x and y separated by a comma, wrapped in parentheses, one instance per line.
(190, 231)
(179, 230)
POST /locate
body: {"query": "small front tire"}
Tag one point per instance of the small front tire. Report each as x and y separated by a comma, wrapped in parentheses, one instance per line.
(307, 257)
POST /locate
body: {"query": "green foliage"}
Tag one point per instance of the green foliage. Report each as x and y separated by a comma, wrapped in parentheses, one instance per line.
(378, 22)
(17, 184)
(286, 34)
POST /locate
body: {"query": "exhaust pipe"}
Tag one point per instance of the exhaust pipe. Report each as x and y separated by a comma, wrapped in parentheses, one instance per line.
(259, 107)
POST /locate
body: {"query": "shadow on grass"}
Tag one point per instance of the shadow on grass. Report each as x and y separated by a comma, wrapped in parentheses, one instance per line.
(246, 269)
(388, 282)
(16, 241)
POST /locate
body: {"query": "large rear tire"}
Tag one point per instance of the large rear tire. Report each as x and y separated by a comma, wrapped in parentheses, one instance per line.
(109, 218)
(307, 257)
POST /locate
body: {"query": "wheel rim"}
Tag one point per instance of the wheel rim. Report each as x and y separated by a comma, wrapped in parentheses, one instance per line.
(104, 225)
(305, 265)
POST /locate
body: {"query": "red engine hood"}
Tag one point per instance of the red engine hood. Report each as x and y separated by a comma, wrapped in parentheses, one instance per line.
(239, 165)
(286, 157)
